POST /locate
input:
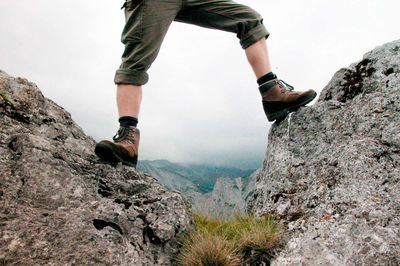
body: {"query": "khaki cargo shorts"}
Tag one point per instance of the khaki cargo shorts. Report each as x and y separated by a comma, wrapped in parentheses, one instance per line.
(147, 22)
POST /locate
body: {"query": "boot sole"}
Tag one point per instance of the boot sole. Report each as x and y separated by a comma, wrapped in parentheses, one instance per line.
(280, 115)
(106, 152)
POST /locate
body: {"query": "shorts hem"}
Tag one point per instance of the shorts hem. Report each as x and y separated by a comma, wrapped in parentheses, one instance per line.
(254, 35)
(131, 77)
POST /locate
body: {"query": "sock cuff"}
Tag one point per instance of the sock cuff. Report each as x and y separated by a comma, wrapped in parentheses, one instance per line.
(265, 78)
(126, 121)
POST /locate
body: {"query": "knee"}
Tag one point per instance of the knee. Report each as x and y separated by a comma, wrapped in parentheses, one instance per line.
(253, 18)
(251, 29)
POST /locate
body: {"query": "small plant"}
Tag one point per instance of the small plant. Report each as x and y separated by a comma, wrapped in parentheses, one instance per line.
(2, 95)
(207, 249)
(242, 240)
(260, 239)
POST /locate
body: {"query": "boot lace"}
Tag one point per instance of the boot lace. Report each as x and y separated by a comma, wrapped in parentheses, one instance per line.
(124, 134)
(285, 86)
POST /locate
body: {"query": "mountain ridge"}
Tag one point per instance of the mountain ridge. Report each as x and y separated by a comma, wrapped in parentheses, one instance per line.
(203, 175)
(199, 183)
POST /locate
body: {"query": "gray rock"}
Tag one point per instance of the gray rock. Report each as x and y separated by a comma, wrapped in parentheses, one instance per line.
(332, 170)
(61, 205)
(227, 198)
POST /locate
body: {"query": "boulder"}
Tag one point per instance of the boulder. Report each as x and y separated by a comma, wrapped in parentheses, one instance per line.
(332, 170)
(60, 205)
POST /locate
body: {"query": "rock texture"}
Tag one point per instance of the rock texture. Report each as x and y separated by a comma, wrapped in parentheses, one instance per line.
(332, 171)
(60, 205)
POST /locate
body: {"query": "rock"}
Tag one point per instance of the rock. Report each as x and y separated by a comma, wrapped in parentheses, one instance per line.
(332, 170)
(228, 197)
(61, 205)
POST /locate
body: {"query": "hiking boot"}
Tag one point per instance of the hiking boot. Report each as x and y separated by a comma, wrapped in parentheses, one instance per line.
(124, 148)
(279, 99)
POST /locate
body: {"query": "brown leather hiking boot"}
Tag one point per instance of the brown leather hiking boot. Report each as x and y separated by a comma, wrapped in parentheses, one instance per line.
(279, 99)
(124, 149)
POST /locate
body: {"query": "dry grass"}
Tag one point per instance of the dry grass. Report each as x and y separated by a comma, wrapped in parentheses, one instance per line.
(242, 240)
(260, 239)
(208, 250)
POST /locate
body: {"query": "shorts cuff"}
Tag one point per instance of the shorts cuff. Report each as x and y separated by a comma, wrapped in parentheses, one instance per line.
(254, 35)
(131, 77)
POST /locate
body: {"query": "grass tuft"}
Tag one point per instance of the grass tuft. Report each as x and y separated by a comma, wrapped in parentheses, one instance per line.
(242, 240)
(260, 239)
(208, 250)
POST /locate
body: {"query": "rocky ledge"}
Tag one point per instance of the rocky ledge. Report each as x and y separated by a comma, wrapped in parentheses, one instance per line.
(332, 171)
(61, 205)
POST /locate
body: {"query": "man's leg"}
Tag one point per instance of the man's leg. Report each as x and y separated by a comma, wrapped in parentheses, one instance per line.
(129, 98)
(277, 97)
(257, 55)
(126, 142)
(147, 23)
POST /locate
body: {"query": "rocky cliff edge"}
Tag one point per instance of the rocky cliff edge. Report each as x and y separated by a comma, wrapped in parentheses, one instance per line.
(332, 170)
(61, 205)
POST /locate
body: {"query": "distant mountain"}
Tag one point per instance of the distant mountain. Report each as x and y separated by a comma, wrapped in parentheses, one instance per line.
(206, 187)
(229, 196)
(179, 176)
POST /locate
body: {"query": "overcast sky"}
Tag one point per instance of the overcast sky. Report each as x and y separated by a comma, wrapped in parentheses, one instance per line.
(201, 104)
